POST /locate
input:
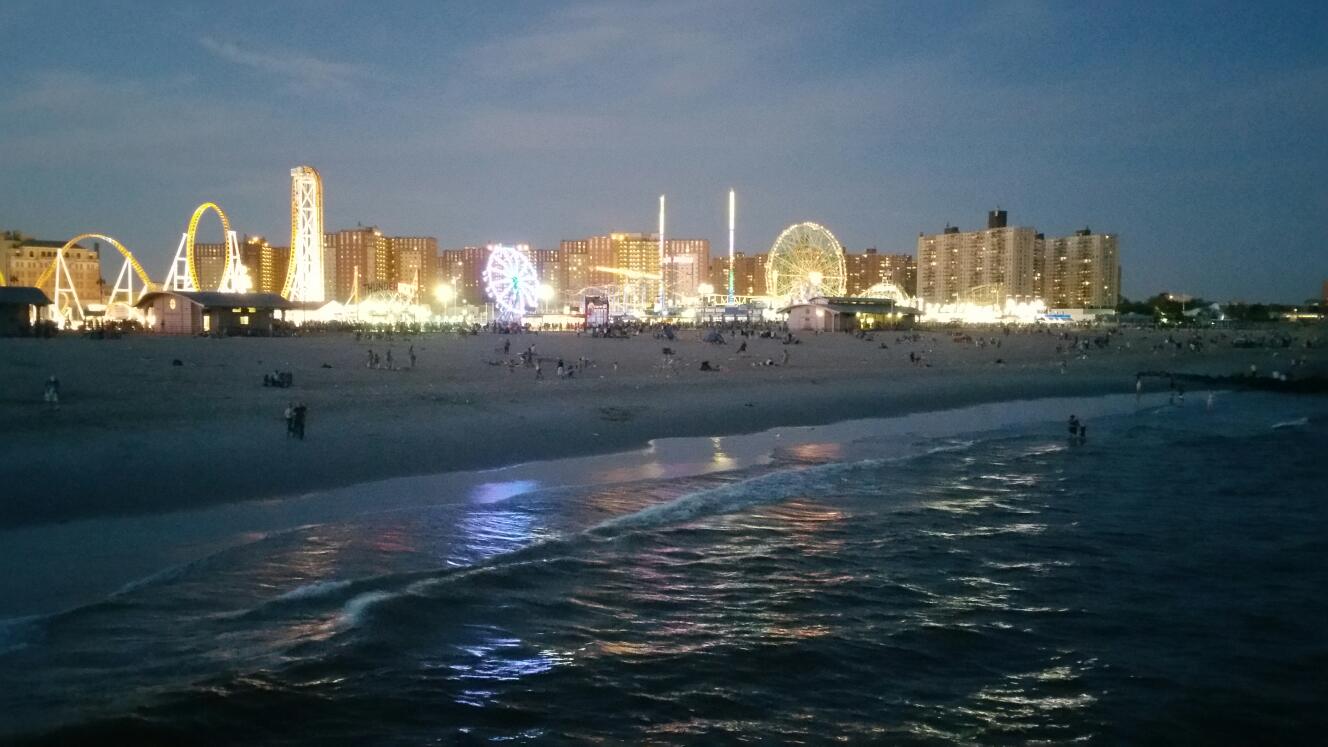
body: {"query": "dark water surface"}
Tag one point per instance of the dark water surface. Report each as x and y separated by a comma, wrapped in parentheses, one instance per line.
(1163, 583)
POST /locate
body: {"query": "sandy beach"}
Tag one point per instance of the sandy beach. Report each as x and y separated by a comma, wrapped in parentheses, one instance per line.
(136, 433)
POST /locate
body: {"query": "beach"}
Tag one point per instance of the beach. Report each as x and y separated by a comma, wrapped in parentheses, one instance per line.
(150, 424)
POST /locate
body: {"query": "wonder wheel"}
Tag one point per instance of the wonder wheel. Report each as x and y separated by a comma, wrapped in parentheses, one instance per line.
(806, 261)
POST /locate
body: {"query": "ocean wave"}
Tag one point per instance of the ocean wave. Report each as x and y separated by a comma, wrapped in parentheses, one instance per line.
(18, 633)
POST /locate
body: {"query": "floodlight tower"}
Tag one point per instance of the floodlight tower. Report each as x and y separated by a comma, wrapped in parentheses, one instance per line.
(304, 277)
(661, 253)
(733, 203)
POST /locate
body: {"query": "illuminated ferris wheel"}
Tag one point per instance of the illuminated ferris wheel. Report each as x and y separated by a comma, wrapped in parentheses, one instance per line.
(510, 280)
(806, 261)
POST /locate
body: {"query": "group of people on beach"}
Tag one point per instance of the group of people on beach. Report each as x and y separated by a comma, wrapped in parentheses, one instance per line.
(373, 360)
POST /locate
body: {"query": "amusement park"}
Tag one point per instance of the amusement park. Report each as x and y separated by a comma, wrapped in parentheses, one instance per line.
(247, 287)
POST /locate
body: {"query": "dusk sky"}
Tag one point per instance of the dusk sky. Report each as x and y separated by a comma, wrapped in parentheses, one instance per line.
(1195, 131)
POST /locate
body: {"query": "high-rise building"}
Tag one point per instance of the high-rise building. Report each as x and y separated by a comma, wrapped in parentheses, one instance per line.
(24, 260)
(463, 269)
(993, 265)
(577, 266)
(266, 264)
(591, 262)
(551, 270)
(870, 267)
(363, 253)
(210, 259)
(636, 252)
(413, 261)
(1080, 271)
(748, 274)
(686, 266)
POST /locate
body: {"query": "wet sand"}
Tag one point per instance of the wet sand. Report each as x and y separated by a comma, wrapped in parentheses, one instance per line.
(135, 433)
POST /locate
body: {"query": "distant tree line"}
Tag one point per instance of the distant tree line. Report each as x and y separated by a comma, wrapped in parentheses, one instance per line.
(1167, 305)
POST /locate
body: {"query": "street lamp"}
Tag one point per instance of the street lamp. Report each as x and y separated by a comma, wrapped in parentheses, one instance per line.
(444, 292)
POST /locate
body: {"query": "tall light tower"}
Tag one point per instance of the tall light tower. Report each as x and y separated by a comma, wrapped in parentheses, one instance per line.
(661, 253)
(304, 276)
(733, 204)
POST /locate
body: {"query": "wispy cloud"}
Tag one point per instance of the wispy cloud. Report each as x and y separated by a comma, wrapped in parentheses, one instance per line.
(303, 72)
(684, 48)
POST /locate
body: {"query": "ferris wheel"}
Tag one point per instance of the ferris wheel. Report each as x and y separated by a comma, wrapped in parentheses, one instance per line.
(806, 261)
(510, 280)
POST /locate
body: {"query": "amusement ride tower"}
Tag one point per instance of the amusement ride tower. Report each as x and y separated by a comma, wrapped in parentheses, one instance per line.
(304, 275)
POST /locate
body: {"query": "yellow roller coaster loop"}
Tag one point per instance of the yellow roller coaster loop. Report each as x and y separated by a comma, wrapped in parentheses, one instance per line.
(128, 255)
(189, 241)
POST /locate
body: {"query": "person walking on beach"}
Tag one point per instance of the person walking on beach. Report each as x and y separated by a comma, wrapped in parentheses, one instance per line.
(299, 413)
(290, 419)
(51, 395)
(411, 353)
(389, 359)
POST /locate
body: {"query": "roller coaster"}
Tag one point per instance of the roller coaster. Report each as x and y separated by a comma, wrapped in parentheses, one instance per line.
(183, 275)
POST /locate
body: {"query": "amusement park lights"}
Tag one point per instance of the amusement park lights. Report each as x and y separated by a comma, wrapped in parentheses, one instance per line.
(190, 240)
(806, 261)
(510, 280)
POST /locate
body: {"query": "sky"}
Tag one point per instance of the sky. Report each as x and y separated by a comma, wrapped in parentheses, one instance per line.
(1197, 132)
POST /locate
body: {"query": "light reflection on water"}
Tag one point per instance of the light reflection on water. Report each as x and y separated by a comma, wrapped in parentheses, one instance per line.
(961, 598)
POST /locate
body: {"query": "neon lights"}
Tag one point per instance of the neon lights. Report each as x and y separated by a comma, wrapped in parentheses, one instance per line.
(510, 280)
(806, 261)
(190, 260)
(304, 273)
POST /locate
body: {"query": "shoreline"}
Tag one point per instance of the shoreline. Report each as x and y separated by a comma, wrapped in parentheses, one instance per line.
(132, 550)
(205, 433)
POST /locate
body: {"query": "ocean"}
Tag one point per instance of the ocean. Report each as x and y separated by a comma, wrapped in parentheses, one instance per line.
(1163, 582)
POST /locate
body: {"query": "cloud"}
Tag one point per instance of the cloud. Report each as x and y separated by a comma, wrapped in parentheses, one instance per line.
(302, 72)
(679, 49)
